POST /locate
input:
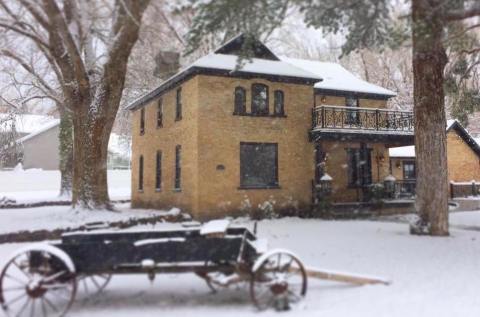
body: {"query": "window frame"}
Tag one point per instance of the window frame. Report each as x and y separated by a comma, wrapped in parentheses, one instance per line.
(158, 171)
(276, 95)
(160, 113)
(276, 182)
(352, 116)
(178, 104)
(254, 110)
(409, 162)
(243, 106)
(141, 167)
(142, 121)
(177, 186)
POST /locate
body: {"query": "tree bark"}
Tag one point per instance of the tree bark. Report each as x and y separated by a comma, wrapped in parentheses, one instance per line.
(66, 152)
(429, 60)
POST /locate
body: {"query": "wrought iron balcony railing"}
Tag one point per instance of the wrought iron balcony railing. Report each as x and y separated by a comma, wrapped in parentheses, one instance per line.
(350, 118)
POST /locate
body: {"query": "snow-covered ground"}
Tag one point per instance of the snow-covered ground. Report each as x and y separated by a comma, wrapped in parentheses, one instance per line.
(35, 185)
(431, 276)
(62, 217)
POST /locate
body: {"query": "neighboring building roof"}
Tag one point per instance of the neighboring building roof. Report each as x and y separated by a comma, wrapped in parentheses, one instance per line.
(49, 125)
(265, 64)
(337, 78)
(24, 123)
(409, 151)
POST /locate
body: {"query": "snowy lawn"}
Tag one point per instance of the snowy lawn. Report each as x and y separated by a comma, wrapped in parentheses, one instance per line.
(34, 185)
(61, 217)
(431, 276)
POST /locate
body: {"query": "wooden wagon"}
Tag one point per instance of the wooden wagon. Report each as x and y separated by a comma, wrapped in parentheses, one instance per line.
(42, 279)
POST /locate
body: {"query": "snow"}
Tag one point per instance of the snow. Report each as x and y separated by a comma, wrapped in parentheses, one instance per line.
(335, 77)
(62, 217)
(45, 247)
(390, 178)
(402, 151)
(47, 126)
(255, 65)
(215, 226)
(326, 177)
(161, 240)
(34, 185)
(26, 123)
(435, 277)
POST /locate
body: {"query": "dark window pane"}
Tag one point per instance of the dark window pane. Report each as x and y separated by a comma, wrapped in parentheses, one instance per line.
(140, 173)
(158, 174)
(240, 100)
(359, 166)
(409, 170)
(142, 121)
(258, 165)
(160, 113)
(259, 99)
(178, 171)
(178, 112)
(278, 102)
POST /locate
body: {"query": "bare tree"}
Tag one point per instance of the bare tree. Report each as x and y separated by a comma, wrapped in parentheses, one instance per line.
(87, 44)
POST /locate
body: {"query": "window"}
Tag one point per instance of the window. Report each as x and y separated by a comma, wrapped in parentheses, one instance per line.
(278, 100)
(160, 113)
(258, 165)
(158, 171)
(409, 170)
(352, 115)
(178, 170)
(259, 99)
(359, 167)
(178, 112)
(142, 121)
(240, 101)
(140, 173)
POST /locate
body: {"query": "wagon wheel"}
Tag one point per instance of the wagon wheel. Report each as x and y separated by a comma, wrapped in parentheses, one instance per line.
(278, 280)
(91, 285)
(38, 281)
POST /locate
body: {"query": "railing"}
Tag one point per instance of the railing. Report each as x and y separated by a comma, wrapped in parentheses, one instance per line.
(405, 188)
(350, 118)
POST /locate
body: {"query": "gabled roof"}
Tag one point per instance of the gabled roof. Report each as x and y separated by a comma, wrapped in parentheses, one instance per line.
(234, 47)
(49, 125)
(336, 78)
(409, 151)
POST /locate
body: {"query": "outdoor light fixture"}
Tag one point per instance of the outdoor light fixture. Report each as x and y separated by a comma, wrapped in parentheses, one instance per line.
(323, 99)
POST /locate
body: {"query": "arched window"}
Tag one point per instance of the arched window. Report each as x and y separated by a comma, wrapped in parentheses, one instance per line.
(140, 173)
(240, 101)
(278, 101)
(259, 99)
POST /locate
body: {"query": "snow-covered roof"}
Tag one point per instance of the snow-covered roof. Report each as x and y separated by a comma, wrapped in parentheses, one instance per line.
(409, 151)
(255, 65)
(45, 127)
(335, 77)
(24, 123)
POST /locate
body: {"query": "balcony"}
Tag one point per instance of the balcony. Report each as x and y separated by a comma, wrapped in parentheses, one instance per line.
(362, 124)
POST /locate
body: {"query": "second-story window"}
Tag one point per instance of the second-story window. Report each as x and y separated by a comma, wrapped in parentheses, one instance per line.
(142, 121)
(160, 113)
(178, 111)
(240, 101)
(259, 99)
(278, 101)
(353, 116)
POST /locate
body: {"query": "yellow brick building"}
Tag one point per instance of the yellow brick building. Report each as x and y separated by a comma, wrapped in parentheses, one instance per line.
(463, 157)
(215, 140)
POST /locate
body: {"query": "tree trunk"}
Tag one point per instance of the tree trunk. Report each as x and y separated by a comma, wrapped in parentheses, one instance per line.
(429, 60)
(91, 136)
(66, 152)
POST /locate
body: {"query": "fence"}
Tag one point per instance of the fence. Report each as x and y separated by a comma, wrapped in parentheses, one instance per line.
(464, 189)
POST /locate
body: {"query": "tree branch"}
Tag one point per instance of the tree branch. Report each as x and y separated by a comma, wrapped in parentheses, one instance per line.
(462, 14)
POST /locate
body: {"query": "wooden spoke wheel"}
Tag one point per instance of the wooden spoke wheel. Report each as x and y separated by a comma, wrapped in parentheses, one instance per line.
(38, 282)
(278, 280)
(91, 285)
